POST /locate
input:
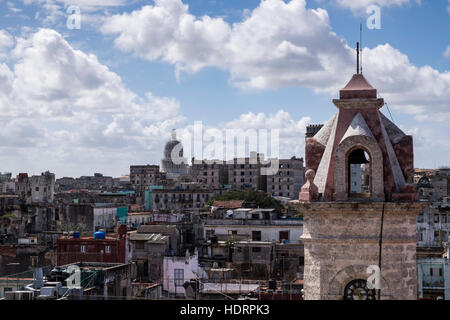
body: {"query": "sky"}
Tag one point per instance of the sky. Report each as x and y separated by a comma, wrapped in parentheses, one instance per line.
(104, 94)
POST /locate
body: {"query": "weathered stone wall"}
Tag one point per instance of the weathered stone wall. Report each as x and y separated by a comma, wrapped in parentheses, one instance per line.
(341, 240)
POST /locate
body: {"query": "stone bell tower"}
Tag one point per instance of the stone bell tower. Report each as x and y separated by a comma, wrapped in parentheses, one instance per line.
(359, 204)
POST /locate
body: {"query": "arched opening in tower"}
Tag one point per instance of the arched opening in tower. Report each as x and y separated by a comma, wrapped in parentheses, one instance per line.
(359, 174)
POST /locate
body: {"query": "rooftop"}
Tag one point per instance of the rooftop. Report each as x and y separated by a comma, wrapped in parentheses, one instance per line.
(358, 88)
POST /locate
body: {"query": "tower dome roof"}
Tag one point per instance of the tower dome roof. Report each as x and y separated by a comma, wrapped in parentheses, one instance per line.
(358, 88)
(170, 146)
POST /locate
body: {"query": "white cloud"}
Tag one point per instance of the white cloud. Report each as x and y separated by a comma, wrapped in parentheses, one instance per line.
(63, 104)
(6, 42)
(361, 5)
(447, 52)
(297, 48)
(422, 91)
(54, 12)
(280, 126)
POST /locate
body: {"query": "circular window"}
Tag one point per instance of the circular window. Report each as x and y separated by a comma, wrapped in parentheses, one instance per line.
(358, 290)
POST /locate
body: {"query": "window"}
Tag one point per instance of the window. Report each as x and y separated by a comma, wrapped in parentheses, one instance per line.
(436, 218)
(359, 173)
(83, 249)
(284, 235)
(301, 261)
(108, 249)
(178, 276)
(256, 249)
(256, 235)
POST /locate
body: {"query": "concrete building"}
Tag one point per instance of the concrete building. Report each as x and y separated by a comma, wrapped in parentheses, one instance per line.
(135, 219)
(212, 173)
(289, 179)
(433, 185)
(345, 232)
(96, 182)
(70, 249)
(181, 269)
(144, 176)
(23, 188)
(148, 251)
(264, 246)
(180, 199)
(42, 187)
(10, 284)
(245, 173)
(433, 225)
(434, 275)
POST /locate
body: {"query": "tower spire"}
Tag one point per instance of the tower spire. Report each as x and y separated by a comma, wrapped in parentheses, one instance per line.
(357, 58)
(360, 41)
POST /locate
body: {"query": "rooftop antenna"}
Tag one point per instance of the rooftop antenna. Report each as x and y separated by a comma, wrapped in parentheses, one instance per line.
(360, 41)
(357, 58)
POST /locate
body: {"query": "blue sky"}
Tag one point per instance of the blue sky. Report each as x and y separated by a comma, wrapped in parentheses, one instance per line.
(107, 95)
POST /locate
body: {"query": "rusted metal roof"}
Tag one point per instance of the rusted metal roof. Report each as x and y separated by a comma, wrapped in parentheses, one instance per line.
(149, 237)
(230, 204)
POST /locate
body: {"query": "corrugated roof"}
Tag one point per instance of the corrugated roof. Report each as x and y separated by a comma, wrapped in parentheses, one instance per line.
(230, 204)
(157, 228)
(149, 237)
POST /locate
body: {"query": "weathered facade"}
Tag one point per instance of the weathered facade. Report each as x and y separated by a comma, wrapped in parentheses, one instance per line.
(144, 176)
(212, 173)
(288, 180)
(245, 173)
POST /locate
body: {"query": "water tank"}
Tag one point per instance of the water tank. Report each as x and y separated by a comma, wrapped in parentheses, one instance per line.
(76, 235)
(100, 235)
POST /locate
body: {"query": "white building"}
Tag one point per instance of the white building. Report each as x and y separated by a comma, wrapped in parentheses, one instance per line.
(178, 270)
(135, 219)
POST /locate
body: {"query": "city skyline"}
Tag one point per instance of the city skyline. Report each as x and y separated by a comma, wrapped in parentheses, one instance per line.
(107, 95)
